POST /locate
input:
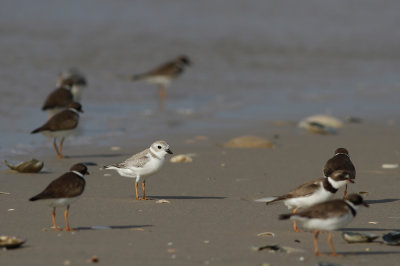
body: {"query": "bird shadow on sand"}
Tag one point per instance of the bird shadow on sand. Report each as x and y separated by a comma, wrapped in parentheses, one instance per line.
(362, 253)
(381, 201)
(348, 229)
(186, 197)
(111, 227)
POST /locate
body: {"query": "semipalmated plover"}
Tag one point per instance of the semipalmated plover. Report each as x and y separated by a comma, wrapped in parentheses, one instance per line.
(63, 191)
(340, 161)
(164, 74)
(328, 216)
(61, 125)
(143, 164)
(77, 80)
(312, 192)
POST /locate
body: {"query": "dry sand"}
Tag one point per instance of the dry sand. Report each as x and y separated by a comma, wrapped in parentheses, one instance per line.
(211, 218)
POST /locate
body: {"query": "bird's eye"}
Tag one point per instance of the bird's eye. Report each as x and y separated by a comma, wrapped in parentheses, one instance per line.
(159, 147)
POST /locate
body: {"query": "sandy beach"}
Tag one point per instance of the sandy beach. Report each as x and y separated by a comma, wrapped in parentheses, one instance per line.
(253, 63)
(211, 218)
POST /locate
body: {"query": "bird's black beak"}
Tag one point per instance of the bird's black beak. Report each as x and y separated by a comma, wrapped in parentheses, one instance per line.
(81, 111)
(350, 181)
(87, 173)
(365, 204)
(169, 151)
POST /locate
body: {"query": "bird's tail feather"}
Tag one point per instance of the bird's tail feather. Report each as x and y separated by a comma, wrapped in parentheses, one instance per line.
(36, 130)
(268, 200)
(285, 216)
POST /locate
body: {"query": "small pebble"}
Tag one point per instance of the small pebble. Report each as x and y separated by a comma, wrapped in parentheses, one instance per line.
(115, 148)
(107, 174)
(206, 241)
(170, 243)
(10, 210)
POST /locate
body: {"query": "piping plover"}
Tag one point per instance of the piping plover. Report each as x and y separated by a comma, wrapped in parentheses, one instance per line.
(311, 193)
(340, 161)
(61, 125)
(63, 191)
(143, 164)
(328, 216)
(164, 74)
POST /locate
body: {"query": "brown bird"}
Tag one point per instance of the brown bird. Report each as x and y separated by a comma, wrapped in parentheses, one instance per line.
(63, 191)
(61, 125)
(340, 161)
(164, 74)
(310, 193)
(328, 216)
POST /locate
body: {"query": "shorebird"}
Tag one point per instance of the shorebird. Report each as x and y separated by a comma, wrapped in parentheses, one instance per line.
(340, 161)
(164, 74)
(328, 216)
(311, 193)
(63, 191)
(143, 164)
(76, 79)
(61, 125)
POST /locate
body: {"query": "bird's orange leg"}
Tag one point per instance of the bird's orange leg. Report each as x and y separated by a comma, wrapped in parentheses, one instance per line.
(55, 147)
(345, 192)
(54, 220)
(136, 190)
(61, 148)
(296, 229)
(144, 190)
(334, 254)
(67, 228)
(316, 251)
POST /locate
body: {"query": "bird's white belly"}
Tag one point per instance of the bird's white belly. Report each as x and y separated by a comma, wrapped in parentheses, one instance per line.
(159, 80)
(60, 202)
(303, 202)
(327, 224)
(57, 134)
(141, 172)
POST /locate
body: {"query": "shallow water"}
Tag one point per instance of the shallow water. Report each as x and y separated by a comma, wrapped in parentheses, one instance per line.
(254, 61)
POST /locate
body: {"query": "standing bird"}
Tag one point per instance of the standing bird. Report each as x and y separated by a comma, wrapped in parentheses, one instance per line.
(61, 125)
(310, 193)
(328, 216)
(164, 74)
(76, 79)
(63, 191)
(143, 164)
(340, 161)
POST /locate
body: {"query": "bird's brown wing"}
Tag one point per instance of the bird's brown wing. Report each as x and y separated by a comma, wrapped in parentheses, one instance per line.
(305, 189)
(334, 208)
(68, 185)
(59, 98)
(65, 120)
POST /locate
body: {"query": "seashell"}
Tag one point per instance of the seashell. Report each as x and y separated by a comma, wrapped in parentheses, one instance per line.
(162, 201)
(249, 142)
(321, 124)
(181, 158)
(31, 166)
(392, 238)
(390, 165)
(266, 234)
(317, 128)
(11, 241)
(353, 237)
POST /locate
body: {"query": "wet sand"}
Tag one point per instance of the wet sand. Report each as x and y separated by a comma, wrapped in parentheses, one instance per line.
(211, 218)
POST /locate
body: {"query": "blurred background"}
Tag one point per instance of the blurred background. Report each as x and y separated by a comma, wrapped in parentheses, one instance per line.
(253, 62)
